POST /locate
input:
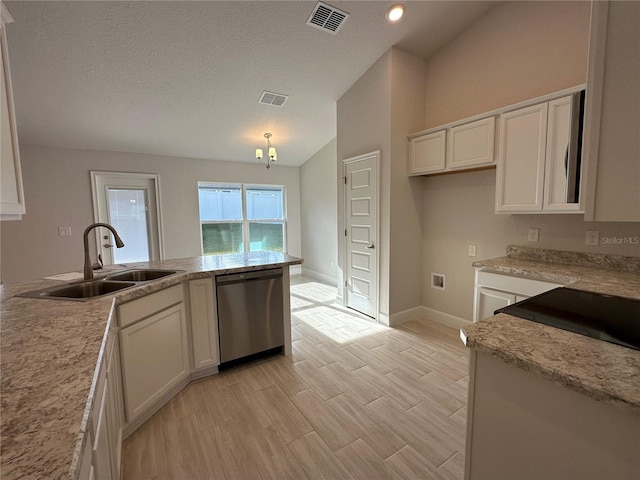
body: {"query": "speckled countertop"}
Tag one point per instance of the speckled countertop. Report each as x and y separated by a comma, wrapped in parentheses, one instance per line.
(606, 372)
(49, 351)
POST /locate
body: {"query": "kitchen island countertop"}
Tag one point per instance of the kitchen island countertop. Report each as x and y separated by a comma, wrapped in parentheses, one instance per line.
(601, 370)
(49, 353)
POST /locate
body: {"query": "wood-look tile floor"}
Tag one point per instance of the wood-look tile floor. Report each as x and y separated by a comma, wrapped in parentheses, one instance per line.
(355, 400)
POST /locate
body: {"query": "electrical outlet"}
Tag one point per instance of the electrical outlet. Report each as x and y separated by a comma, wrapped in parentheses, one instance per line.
(472, 250)
(533, 234)
(64, 231)
(593, 238)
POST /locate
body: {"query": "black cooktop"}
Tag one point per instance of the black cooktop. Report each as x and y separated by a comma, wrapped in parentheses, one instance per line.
(605, 317)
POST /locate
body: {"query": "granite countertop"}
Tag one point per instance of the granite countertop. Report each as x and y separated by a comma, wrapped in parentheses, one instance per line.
(49, 353)
(604, 371)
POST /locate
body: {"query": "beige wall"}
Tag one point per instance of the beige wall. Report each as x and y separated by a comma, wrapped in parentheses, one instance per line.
(363, 126)
(516, 51)
(318, 210)
(407, 116)
(58, 193)
(377, 113)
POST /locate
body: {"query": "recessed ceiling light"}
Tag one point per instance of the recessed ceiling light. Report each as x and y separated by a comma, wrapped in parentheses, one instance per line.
(395, 12)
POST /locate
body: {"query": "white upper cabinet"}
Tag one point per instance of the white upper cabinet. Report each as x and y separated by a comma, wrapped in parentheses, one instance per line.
(11, 192)
(427, 153)
(460, 146)
(471, 144)
(520, 174)
(539, 160)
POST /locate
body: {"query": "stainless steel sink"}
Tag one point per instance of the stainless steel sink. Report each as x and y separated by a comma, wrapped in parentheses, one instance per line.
(82, 291)
(79, 291)
(141, 275)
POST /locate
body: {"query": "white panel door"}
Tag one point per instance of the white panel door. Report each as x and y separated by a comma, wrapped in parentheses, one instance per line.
(361, 259)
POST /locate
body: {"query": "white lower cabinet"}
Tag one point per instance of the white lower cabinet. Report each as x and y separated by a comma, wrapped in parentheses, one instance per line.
(101, 456)
(114, 412)
(495, 290)
(101, 450)
(154, 358)
(204, 324)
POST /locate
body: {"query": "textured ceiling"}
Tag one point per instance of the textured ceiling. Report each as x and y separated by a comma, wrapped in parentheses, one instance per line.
(184, 78)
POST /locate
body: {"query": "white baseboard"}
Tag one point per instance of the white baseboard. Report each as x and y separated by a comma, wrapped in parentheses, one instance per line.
(320, 276)
(409, 314)
(295, 269)
(427, 313)
(444, 318)
(384, 319)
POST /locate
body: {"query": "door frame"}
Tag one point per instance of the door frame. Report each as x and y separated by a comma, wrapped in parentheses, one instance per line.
(153, 177)
(345, 243)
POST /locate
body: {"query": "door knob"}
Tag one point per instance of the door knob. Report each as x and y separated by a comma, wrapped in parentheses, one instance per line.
(107, 245)
(371, 247)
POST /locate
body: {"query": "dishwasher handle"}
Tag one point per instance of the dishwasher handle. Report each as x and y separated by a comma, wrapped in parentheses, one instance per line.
(248, 276)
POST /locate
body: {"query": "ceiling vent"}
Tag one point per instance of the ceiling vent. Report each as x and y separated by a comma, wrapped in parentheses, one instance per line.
(275, 99)
(327, 18)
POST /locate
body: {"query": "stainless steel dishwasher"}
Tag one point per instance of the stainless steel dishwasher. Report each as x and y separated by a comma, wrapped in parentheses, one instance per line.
(250, 314)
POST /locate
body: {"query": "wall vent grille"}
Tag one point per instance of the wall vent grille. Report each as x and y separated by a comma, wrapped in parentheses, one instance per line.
(327, 18)
(274, 99)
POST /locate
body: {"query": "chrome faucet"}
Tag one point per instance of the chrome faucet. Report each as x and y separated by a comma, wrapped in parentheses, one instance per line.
(88, 269)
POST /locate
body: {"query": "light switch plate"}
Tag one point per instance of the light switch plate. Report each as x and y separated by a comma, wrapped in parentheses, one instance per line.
(64, 231)
(472, 250)
(533, 234)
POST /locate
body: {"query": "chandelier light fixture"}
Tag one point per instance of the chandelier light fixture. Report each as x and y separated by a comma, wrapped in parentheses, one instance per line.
(272, 154)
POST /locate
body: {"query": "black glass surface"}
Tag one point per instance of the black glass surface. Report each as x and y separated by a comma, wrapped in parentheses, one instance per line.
(605, 317)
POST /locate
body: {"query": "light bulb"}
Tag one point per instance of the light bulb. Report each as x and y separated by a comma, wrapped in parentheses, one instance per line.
(395, 12)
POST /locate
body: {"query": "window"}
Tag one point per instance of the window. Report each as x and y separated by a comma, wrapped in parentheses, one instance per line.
(241, 218)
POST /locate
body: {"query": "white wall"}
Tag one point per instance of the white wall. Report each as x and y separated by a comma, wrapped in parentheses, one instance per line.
(407, 116)
(318, 211)
(377, 113)
(58, 193)
(364, 126)
(516, 51)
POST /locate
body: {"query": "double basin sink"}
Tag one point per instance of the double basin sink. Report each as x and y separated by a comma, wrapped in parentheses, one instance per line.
(115, 282)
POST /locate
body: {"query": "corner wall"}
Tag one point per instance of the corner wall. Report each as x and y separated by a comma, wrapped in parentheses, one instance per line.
(517, 51)
(58, 193)
(363, 126)
(318, 209)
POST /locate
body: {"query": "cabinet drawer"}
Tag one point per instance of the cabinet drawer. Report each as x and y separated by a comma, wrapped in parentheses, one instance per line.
(143, 307)
(516, 285)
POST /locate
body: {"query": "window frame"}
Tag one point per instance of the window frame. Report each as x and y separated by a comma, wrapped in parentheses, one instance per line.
(246, 244)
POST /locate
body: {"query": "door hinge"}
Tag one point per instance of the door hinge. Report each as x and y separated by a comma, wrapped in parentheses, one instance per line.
(345, 232)
(345, 180)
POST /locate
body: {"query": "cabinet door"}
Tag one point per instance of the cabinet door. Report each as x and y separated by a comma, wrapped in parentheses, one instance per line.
(520, 171)
(204, 323)
(101, 450)
(556, 181)
(488, 301)
(471, 144)
(114, 410)
(154, 358)
(427, 153)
